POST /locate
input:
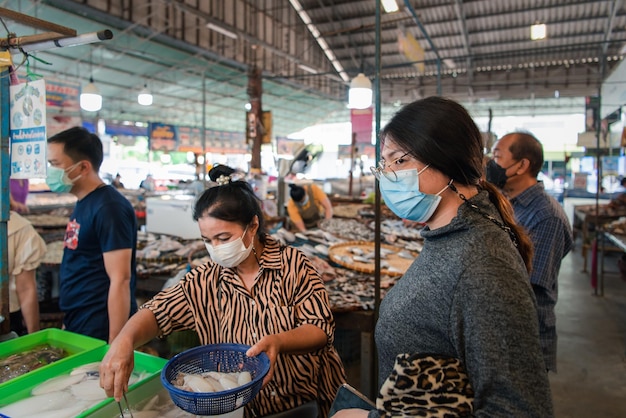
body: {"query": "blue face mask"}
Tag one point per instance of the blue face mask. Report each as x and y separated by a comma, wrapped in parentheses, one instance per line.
(58, 181)
(404, 198)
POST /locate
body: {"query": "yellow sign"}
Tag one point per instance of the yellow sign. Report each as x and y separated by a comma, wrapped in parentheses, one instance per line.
(411, 48)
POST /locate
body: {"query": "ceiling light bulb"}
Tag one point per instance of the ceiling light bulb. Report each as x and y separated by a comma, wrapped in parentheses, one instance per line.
(538, 31)
(90, 98)
(360, 93)
(145, 97)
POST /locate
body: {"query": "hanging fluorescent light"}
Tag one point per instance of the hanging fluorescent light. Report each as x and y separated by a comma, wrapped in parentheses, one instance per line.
(360, 93)
(222, 30)
(538, 31)
(390, 6)
(90, 98)
(144, 97)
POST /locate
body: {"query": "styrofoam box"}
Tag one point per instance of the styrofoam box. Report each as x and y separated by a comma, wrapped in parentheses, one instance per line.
(172, 215)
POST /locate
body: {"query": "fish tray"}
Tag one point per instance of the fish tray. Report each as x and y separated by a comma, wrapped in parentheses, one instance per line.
(75, 345)
(18, 390)
(339, 253)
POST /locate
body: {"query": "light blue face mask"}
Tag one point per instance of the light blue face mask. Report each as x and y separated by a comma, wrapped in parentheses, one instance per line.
(404, 198)
(58, 181)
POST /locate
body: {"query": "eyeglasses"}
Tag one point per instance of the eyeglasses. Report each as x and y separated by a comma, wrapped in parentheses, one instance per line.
(386, 170)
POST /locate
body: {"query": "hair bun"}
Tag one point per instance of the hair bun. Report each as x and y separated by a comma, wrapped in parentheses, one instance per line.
(220, 170)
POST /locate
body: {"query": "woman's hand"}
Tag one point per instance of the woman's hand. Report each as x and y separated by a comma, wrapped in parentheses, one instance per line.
(116, 367)
(270, 344)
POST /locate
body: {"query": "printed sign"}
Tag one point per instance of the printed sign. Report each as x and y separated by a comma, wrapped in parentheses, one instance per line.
(27, 133)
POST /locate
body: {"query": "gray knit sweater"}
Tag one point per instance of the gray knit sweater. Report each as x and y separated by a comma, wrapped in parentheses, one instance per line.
(468, 296)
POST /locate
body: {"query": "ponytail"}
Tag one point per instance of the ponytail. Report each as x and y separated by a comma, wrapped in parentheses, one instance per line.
(524, 244)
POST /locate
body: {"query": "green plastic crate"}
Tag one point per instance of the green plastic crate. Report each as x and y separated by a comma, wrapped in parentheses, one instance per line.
(17, 390)
(74, 344)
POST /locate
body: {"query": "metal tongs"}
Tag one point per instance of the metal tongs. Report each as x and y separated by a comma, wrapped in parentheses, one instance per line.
(119, 404)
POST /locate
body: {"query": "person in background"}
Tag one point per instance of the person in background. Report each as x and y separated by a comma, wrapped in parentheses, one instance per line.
(197, 186)
(464, 310)
(308, 206)
(97, 274)
(18, 195)
(26, 249)
(619, 202)
(117, 182)
(254, 292)
(148, 183)
(517, 159)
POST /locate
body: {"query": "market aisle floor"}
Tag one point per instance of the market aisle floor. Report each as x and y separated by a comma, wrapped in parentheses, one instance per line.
(591, 378)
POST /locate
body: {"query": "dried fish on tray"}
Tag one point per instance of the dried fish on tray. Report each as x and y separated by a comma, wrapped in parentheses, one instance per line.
(349, 229)
(54, 253)
(359, 256)
(352, 291)
(350, 210)
(397, 229)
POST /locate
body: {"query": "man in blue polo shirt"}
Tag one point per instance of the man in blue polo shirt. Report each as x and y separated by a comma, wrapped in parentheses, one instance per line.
(517, 160)
(97, 275)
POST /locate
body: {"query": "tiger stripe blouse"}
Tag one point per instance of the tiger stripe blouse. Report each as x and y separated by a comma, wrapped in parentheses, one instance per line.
(287, 293)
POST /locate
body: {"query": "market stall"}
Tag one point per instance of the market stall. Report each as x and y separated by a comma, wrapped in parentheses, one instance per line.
(589, 217)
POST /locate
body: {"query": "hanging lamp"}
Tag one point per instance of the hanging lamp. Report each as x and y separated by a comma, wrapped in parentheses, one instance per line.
(144, 97)
(90, 98)
(360, 93)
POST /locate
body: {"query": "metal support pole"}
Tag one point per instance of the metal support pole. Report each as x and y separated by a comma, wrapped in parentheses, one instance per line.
(5, 168)
(204, 173)
(377, 233)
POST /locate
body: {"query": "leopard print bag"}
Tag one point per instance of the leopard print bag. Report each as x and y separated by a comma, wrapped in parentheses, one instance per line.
(426, 385)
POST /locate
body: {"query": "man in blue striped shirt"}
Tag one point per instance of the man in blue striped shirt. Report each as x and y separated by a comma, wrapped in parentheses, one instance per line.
(517, 160)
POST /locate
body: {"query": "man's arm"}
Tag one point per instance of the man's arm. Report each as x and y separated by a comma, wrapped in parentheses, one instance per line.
(328, 207)
(323, 199)
(117, 265)
(26, 289)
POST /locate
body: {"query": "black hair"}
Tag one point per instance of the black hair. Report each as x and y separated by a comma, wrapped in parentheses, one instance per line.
(296, 192)
(220, 170)
(441, 133)
(80, 144)
(232, 202)
(525, 145)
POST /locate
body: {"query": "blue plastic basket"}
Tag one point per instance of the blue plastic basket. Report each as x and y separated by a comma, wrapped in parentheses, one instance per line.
(225, 358)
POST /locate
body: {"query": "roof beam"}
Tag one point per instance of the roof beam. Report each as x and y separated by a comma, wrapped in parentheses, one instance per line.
(460, 14)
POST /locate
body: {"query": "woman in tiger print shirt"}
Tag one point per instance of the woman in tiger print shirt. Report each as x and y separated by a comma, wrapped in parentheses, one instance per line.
(254, 292)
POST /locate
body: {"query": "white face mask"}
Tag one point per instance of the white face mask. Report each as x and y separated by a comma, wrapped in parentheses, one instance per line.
(229, 254)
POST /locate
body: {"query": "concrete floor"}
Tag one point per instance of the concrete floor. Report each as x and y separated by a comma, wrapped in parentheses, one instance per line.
(591, 378)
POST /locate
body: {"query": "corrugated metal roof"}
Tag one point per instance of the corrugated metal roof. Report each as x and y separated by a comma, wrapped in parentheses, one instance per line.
(484, 47)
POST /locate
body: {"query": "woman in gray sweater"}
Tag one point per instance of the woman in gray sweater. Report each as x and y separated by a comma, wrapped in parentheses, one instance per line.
(467, 296)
